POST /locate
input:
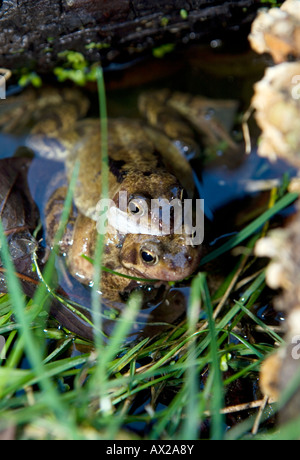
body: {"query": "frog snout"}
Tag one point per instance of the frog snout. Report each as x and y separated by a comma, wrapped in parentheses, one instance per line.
(175, 267)
(161, 260)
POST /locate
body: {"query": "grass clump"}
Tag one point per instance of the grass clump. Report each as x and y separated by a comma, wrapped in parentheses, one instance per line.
(59, 395)
(173, 386)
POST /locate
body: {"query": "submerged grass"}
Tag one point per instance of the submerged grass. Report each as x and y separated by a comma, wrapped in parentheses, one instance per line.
(178, 380)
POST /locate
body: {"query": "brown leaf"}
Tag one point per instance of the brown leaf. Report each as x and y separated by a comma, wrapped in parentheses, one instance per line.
(19, 217)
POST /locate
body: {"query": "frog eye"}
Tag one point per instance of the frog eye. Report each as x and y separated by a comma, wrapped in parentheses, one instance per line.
(149, 257)
(137, 207)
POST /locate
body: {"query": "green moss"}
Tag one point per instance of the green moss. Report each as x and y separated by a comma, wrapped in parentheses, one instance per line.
(98, 46)
(77, 76)
(19, 51)
(160, 51)
(30, 78)
(74, 59)
(164, 21)
(183, 13)
(76, 68)
(271, 2)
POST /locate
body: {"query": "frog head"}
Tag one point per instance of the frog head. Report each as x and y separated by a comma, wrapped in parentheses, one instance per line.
(165, 258)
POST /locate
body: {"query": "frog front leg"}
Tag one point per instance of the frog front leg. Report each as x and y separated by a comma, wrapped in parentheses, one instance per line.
(212, 119)
(53, 134)
(165, 119)
(53, 215)
(44, 111)
(178, 114)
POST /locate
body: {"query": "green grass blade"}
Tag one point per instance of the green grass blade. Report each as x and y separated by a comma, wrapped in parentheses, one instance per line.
(191, 423)
(96, 295)
(288, 199)
(217, 396)
(30, 342)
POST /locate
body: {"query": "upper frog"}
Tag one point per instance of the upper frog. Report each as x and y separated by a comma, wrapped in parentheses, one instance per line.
(147, 161)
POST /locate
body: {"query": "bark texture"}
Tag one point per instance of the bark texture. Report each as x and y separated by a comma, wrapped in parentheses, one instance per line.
(33, 33)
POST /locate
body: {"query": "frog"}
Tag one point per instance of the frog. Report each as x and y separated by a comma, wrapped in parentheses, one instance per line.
(148, 159)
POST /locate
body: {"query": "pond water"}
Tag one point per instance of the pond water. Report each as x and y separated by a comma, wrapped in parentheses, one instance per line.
(226, 180)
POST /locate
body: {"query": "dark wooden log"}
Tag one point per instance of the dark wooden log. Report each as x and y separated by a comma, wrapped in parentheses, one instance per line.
(33, 33)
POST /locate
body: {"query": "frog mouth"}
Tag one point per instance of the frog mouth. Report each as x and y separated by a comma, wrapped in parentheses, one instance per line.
(161, 275)
(142, 275)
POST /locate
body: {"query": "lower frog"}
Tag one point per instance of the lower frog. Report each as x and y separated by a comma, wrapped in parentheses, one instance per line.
(147, 162)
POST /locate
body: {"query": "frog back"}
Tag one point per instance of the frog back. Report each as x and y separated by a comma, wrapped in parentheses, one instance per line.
(133, 159)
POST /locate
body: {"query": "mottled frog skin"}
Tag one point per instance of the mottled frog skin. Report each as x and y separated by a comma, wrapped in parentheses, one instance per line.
(147, 160)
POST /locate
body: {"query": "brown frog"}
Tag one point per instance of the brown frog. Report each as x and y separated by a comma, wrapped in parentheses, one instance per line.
(147, 161)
